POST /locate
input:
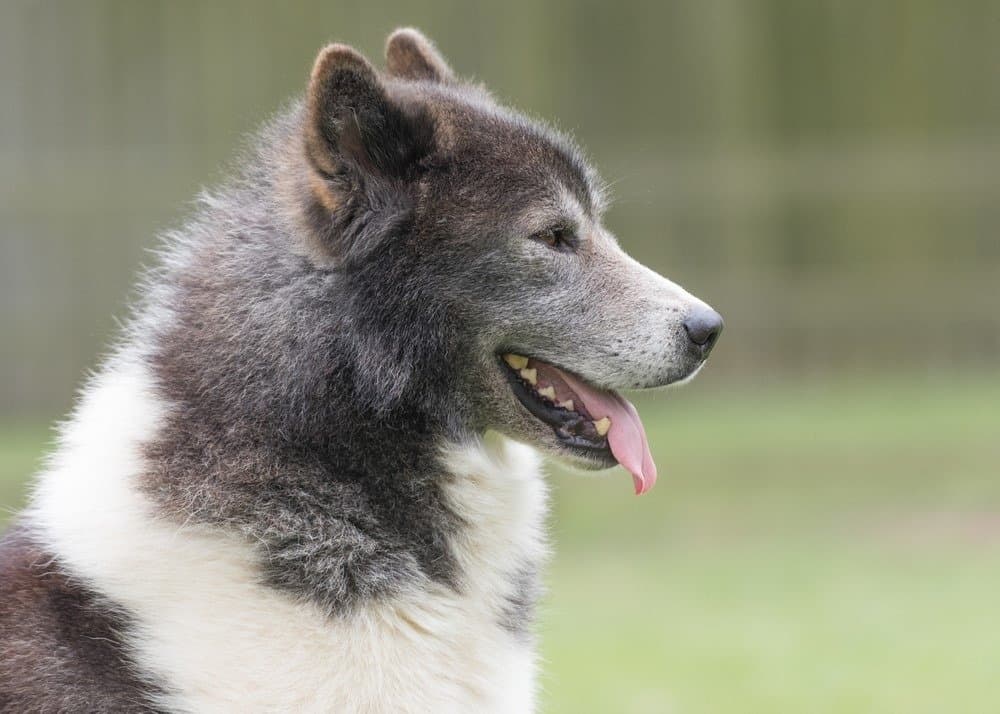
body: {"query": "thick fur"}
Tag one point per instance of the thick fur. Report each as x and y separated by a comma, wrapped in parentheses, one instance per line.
(63, 645)
(204, 622)
(296, 484)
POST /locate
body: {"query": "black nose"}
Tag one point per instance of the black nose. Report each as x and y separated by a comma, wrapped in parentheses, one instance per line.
(704, 327)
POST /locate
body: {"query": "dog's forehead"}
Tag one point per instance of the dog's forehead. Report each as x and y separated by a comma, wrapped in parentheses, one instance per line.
(498, 144)
(533, 154)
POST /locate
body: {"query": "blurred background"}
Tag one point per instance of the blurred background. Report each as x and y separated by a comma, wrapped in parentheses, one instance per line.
(826, 531)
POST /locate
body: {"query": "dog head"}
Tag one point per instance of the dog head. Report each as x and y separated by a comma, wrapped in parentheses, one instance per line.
(474, 241)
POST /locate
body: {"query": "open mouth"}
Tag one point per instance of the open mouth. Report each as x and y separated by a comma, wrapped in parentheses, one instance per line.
(599, 424)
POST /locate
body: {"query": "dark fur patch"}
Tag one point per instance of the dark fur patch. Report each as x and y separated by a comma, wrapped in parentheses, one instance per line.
(519, 614)
(61, 645)
(299, 419)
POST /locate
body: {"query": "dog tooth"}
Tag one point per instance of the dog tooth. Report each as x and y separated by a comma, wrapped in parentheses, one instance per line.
(530, 376)
(602, 425)
(516, 361)
(567, 405)
(549, 393)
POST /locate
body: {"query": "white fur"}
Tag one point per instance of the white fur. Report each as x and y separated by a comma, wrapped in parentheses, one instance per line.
(225, 643)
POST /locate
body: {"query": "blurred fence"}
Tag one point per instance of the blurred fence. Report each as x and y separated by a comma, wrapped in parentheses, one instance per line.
(827, 174)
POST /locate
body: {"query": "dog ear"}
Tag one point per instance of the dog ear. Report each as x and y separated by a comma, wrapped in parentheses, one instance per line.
(351, 123)
(410, 55)
(363, 150)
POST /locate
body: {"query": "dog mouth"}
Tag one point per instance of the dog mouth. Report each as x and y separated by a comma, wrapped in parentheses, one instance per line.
(598, 424)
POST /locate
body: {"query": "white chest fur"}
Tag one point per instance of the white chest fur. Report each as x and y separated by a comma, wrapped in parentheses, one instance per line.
(223, 642)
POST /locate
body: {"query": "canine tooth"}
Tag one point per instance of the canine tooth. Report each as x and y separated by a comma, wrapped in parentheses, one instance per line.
(549, 393)
(530, 376)
(602, 425)
(568, 405)
(516, 361)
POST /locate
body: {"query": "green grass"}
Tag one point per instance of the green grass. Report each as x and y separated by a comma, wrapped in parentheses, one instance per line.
(807, 549)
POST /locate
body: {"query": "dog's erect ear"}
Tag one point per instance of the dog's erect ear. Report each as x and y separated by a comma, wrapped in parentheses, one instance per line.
(410, 55)
(351, 123)
(364, 150)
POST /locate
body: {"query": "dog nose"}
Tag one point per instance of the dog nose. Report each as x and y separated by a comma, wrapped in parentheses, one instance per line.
(704, 327)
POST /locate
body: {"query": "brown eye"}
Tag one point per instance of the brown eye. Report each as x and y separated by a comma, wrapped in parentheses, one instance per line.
(556, 238)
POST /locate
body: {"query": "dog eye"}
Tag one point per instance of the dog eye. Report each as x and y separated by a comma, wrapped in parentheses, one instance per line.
(560, 239)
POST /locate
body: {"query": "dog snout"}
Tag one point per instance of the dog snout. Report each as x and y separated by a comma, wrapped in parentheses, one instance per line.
(703, 328)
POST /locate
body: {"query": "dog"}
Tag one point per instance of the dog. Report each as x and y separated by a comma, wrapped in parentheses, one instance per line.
(307, 478)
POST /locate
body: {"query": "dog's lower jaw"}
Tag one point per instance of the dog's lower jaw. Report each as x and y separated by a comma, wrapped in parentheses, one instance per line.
(220, 640)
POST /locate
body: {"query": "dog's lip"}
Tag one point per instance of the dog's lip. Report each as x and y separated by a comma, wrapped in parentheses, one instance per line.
(600, 421)
(560, 419)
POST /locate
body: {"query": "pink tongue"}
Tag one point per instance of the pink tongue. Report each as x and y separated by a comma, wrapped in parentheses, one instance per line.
(626, 437)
